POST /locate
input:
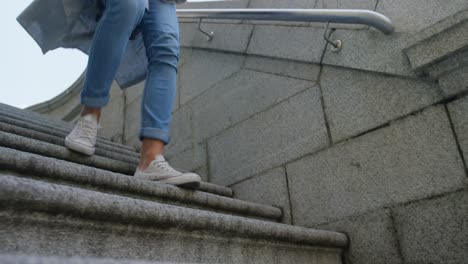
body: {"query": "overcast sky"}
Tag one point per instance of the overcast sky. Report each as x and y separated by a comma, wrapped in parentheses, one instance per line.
(27, 76)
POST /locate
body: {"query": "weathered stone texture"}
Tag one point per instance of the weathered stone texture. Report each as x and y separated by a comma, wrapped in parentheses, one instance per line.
(191, 159)
(30, 145)
(370, 50)
(448, 65)
(454, 82)
(134, 92)
(113, 116)
(204, 174)
(239, 97)
(60, 112)
(288, 130)
(412, 159)
(176, 101)
(459, 113)
(44, 137)
(184, 56)
(415, 15)
(227, 37)
(135, 223)
(24, 259)
(50, 169)
(434, 48)
(439, 27)
(187, 33)
(181, 131)
(270, 188)
(358, 101)
(372, 238)
(41, 125)
(203, 70)
(28, 114)
(74, 238)
(434, 231)
(286, 68)
(132, 122)
(296, 43)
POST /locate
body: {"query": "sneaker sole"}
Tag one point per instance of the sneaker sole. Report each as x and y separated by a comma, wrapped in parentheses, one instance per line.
(188, 181)
(78, 147)
(192, 181)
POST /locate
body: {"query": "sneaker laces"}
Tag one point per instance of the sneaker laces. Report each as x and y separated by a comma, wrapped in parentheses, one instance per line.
(87, 130)
(164, 166)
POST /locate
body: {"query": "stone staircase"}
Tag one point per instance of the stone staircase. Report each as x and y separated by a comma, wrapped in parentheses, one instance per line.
(440, 52)
(56, 204)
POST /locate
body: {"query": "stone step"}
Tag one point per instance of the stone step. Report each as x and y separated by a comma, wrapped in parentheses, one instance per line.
(215, 189)
(39, 218)
(435, 49)
(60, 172)
(44, 122)
(25, 144)
(15, 142)
(44, 134)
(53, 132)
(24, 259)
(50, 150)
(60, 141)
(30, 113)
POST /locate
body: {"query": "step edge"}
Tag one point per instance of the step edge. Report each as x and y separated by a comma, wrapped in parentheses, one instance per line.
(38, 259)
(61, 129)
(59, 141)
(81, 174)
(36, 127)
(16, 194)
(25, 144)
(45, 149)
(424, 41)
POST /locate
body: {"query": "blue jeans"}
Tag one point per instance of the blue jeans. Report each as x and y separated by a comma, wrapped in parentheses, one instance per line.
(160, 30)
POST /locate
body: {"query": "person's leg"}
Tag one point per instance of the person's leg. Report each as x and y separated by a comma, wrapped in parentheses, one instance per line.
(110, 40)
(109, 44)
(161, 36)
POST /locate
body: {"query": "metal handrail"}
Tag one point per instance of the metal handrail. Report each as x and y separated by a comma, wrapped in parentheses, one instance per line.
(342, 16)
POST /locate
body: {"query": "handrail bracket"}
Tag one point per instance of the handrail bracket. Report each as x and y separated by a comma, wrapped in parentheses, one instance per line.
(209, 35)
(336, 44)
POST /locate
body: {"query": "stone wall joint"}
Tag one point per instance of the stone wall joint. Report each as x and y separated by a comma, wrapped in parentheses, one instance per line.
(457, 141)
(324, 108)
(397, 238)
(289, 195)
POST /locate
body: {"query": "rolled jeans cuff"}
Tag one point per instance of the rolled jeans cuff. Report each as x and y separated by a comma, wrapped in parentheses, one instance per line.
(155, 133)
(94, 102)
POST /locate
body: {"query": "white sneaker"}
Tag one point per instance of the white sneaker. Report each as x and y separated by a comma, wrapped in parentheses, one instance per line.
(159, 170)
(83, 137)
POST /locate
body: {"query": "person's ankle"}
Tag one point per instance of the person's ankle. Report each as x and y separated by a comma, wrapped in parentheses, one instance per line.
(146, 159)
(96, 112)
(150, 149)
(144, 164)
